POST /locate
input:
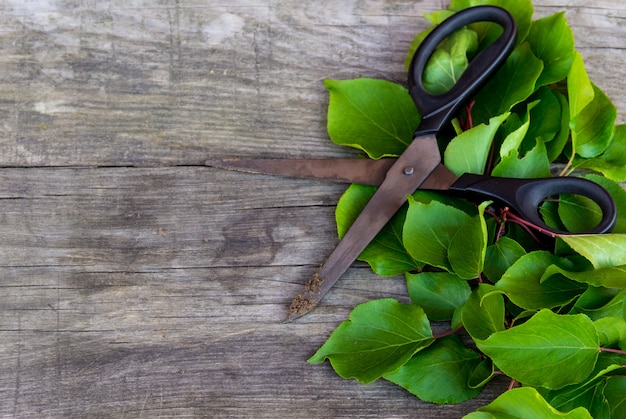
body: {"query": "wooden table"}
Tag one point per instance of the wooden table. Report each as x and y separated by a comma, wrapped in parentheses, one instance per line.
(134, 282)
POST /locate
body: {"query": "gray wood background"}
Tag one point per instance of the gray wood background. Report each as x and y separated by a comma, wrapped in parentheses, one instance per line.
(136, 283)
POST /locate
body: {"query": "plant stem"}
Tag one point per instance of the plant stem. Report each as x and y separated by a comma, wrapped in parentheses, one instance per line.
(448, 333)
(512, 384)
(568, 167)
(523, 222)
(615, 351)
(469, 123)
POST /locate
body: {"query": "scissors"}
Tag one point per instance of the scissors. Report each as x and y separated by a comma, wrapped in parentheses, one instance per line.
(420, 167)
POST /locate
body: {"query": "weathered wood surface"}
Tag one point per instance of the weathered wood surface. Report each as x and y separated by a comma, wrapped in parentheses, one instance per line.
(135, 283)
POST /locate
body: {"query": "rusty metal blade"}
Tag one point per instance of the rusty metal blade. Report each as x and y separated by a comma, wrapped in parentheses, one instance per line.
(363, 171)
(440, 179)
(410, 170)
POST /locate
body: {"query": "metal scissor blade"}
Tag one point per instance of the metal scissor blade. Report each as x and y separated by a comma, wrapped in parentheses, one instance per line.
(363, 171)
(410, 170)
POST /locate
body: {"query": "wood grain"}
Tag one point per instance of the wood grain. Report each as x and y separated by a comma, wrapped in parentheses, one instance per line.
(136, 283)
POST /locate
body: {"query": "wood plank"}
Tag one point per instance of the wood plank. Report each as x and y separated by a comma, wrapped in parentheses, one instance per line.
(133, 281)
(184, 80)
(121, 302)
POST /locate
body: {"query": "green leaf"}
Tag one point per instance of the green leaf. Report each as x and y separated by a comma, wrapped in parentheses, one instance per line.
(594, 298)
(556, 146)
(578, 213)
(548, 350)
(515, 136)
(469, 245)
(501, 256)
(615, 393)
(439, 373)
(535, 164)
(612, 163)
(613, 308)
(611, 277)
(379, 337)
(385, 253)
(611, 330)
(469, 151)
(546, 116)
(482, 374)
(483, 313)
(522, 283)
(619, 197)
(579, 88)
(593, 127)
(602, 250)
(611, 363)
(587, 395)
(514, 82)
(449, 61)
(428, 231)
(375, 116)
(521, 10)
(438, 293)
(523, 403)
(552, 41)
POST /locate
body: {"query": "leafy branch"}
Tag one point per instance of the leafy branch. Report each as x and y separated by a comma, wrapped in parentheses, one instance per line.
(547, 311)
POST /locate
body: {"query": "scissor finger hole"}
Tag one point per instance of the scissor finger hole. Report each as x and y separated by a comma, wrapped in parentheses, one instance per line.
(449, 61)
(452, 56)
(573, 213)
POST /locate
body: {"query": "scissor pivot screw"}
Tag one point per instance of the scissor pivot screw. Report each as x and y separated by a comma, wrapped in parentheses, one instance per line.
(409, 170)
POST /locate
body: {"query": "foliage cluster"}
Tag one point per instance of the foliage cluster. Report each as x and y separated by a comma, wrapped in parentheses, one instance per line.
(550, 313)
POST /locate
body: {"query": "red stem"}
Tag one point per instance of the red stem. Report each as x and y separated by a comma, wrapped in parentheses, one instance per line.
(468, 110)
(615, 351)
(512, 384)
(521, 221)
(448, 333)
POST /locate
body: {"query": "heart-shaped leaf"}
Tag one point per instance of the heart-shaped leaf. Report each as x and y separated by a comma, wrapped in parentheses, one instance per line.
(439, 373)
(375, 116)
(428, 231)
(379, 337)
(562, 349)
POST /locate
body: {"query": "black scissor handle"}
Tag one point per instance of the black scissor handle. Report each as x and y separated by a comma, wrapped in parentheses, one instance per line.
(438, 109)
(524, 196)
